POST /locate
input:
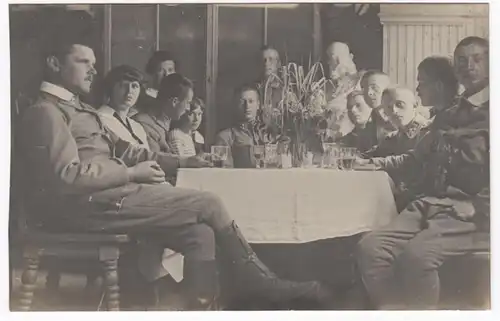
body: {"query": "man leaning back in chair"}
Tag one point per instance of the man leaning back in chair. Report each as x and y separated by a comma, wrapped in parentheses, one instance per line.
(104, 184)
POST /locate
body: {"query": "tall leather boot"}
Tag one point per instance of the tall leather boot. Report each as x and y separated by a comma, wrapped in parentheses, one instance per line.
(201, 281)
(253, 279)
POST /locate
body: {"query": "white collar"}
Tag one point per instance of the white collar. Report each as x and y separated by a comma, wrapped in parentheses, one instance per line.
(152, 92)
(57, 91)
(106, 110)
(480, 97)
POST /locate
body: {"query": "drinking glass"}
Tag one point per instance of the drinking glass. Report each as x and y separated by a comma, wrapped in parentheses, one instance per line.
(271, 155)
(331, 155)
(219, 155)
(259, 153)
(347, 158)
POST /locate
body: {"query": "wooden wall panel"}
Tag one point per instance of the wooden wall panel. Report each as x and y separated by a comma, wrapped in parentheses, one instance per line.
(413, 32)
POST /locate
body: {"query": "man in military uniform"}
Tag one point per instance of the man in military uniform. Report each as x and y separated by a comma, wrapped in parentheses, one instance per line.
(364, 135)
(450, 213)
(86, 179)
(270, 89)
(401, 107)
(437, 84)
(373, 83)
(247, 131)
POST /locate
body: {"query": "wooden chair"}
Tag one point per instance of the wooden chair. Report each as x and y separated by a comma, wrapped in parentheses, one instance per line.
(37, 243)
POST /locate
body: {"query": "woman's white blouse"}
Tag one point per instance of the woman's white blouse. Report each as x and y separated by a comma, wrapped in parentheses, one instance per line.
(113, 124)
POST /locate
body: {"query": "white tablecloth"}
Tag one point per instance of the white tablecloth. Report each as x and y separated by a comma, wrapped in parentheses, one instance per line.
(297, 205)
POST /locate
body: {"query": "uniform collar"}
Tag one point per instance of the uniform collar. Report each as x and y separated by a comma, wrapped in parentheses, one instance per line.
(479, 98)
(151, 92)
(413, 128)
(57, 91)
(248, 124)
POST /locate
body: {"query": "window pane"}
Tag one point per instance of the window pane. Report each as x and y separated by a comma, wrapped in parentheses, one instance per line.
(290, 31)
(361, 30)
(133, 34)
(240, 39)
(183, 32)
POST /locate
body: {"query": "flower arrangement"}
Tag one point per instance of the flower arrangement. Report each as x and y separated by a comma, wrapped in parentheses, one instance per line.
(302, 105)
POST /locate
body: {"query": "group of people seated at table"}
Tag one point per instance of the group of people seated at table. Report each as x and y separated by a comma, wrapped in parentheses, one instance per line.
(110, 166)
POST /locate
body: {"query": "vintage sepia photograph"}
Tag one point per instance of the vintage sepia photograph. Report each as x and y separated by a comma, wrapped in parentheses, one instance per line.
(315, 156)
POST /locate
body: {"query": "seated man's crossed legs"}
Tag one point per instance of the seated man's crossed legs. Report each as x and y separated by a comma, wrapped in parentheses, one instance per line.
(399, 262)
(204, 222)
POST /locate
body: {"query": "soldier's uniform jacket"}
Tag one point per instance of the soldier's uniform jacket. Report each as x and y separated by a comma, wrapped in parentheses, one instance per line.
(72, 158)
(157, 128)
(454, 155)
(364, 139)
(402, 140)
(244, 134)
(382, 124)
(397, 143)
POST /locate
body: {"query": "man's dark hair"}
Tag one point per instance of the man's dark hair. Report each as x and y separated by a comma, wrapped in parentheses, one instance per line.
(174, 85)
(157, 58)
(440, 68)
(370, 73)
(473, 40)
(60, 45)
(351, 96)
(120, 73)
(195, 104)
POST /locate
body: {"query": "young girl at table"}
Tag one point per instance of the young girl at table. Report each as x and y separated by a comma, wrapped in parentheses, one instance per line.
(184, 138)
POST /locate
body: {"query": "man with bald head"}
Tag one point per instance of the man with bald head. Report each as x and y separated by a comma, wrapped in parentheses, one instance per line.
(344, 79)
(400, 106)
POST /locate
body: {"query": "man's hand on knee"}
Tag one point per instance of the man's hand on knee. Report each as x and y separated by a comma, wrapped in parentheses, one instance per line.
(464, 209)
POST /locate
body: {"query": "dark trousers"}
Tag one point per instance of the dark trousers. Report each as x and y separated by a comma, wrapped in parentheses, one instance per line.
(180, 219)
(399, 262)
